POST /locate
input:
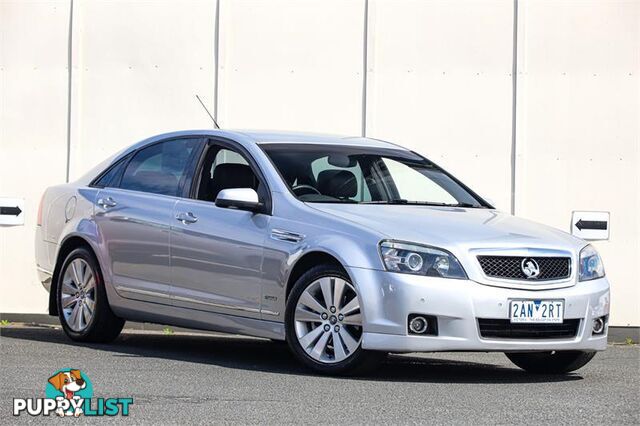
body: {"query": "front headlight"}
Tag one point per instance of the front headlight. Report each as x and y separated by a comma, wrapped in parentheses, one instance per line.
(591, 266)
(420, 260)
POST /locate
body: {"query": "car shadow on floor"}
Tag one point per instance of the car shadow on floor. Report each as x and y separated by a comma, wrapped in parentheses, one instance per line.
(274, 357)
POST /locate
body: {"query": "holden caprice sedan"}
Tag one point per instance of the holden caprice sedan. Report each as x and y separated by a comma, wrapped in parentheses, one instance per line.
(345, 248)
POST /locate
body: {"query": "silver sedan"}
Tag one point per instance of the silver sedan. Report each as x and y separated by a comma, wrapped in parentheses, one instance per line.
(347, 248)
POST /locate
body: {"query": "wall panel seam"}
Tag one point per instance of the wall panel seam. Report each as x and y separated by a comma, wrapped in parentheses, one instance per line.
(69, 88)
(514, 98)
(365, 43)
(216, 52)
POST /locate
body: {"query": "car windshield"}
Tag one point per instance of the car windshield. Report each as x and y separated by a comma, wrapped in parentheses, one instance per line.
(366, 175)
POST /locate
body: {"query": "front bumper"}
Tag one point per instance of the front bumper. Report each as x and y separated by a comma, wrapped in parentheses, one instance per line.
(389, 298)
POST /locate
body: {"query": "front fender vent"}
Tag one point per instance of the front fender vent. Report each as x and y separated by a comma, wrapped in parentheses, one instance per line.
(288, 236)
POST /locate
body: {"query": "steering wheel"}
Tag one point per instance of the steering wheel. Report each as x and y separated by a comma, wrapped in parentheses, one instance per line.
(305, 190)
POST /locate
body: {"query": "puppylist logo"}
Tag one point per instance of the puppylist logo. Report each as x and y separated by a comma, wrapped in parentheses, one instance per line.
(69, 392)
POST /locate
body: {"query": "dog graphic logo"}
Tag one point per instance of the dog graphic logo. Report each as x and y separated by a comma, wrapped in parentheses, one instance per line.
(69, 393)
(71, 385)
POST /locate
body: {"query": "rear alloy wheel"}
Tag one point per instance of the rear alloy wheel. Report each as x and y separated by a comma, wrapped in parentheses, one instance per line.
(324, 322)
(83, 308)
(78, 295)
(555, 362)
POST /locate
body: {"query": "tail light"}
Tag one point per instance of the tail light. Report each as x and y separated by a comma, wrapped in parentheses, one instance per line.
(39, 221)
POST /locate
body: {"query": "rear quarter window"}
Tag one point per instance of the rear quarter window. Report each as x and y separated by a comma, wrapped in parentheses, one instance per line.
(111, 177)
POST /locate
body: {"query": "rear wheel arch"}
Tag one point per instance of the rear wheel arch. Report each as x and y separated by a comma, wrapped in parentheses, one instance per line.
(68, 245)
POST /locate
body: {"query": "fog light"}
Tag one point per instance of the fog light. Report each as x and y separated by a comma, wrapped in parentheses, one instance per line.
(418, 325)
(598, 325)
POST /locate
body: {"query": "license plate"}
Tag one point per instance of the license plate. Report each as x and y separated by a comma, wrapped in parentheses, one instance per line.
(537, 311)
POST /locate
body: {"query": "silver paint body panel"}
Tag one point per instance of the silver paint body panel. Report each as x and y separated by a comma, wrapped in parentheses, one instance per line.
(228, 270)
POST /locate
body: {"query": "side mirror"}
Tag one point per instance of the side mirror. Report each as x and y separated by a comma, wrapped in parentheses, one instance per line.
(239, 198)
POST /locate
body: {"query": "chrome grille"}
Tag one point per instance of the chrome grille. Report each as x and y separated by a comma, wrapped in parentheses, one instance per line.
(509, 267)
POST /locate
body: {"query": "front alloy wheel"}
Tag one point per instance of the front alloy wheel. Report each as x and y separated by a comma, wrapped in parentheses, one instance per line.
(324, 322)
(327, 320)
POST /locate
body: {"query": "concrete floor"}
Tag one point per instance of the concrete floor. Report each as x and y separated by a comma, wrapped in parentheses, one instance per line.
(190, 378)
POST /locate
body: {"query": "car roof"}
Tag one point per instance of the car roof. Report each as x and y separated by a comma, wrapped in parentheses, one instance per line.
(271, 137)
(262, 137)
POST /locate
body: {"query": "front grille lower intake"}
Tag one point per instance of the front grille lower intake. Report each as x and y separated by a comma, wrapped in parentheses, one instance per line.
(510, 267)
(504, 329)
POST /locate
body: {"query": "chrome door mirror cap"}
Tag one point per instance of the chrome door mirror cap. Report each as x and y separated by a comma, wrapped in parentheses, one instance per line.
(240, 198)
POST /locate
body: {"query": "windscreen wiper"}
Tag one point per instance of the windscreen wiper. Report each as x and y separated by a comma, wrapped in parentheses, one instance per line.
(395, 201)
(332, 201)
(422, 203)
(469, 205)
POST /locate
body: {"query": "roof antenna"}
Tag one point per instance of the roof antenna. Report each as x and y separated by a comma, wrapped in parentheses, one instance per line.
(205, 108)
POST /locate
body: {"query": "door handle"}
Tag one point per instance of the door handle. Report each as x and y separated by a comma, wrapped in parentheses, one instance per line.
(105, 203)
(186, 217)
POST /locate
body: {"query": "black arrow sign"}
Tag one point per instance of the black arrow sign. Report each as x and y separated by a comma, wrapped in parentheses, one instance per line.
(10, 211)
(591, 224)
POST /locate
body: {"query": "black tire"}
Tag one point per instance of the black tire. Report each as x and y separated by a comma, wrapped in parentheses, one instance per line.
(104, 326)
(361, 361)
(557, 362)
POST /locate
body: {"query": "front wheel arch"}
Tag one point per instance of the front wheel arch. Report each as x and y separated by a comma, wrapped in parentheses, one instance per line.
(360, 361)
(308, 261)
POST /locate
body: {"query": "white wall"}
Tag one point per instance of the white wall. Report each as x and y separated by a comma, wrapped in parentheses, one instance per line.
(438, 80)
(33, 133)
(290, 64)
(137, 67)
(579, 127)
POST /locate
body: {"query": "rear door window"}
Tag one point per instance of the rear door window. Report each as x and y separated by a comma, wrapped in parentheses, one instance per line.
(160, 168)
